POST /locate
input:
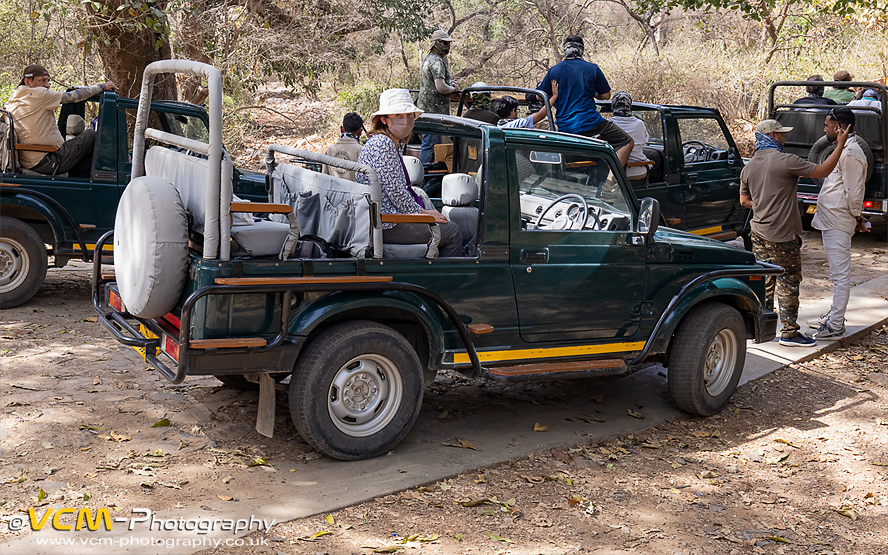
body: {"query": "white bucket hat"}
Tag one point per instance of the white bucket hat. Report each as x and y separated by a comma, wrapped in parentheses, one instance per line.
(396, 101)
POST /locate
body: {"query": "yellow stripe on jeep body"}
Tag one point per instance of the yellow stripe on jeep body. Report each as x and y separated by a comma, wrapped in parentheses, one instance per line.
(554, 352)
(92, 247)
(707, 230)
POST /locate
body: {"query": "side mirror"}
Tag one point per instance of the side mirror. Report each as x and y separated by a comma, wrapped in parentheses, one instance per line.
(648, 217)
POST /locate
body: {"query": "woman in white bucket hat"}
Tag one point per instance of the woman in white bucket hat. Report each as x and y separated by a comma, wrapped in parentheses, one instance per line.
(391, 127)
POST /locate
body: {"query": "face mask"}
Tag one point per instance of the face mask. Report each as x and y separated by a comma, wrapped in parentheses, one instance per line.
(441, 48)
(401, 127)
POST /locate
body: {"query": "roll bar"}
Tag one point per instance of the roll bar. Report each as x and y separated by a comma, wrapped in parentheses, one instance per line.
(549, 118)
(217, 219)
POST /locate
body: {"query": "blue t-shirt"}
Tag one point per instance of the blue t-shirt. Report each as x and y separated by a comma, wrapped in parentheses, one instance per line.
(578, 83)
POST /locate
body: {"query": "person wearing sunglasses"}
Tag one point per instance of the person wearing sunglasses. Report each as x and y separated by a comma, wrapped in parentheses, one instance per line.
(769, 184)
(838, 216)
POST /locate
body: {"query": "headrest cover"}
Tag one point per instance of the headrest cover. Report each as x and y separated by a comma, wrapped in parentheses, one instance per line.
(75, 125)
(459, 189)
(414, 170)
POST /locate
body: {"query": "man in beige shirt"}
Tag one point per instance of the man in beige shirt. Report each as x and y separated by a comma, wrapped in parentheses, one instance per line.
(768, 185)
(839, 209)
(33, 107)
(347, 146)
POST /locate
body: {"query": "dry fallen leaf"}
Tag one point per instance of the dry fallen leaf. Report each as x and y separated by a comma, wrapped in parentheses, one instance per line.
(461, 443)
(330, 519)
(162, 423)
(634, 414)
(225, 497)
(783, 441)
(500, 538)
(845, 510)
(319, 534)
(540, 428)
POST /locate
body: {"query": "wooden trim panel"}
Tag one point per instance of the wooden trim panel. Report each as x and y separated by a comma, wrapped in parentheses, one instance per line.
(557, 367)
(36, 148)
(643, 163)
(227, 343)
(301, 280)
(480, 329)
(408, 219)
(263, 207)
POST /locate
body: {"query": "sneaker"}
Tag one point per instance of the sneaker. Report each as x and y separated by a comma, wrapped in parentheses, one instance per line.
(817, 323)
(826, 333)
(797, 340)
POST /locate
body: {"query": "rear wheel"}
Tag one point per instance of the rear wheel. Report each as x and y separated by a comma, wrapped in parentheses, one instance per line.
(707, 358)
(23, 262)
(356, 391)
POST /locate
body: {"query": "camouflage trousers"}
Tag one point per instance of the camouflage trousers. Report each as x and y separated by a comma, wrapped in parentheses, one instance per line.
(788, 255)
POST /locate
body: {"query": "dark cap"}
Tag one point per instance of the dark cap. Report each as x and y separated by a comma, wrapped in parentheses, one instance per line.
(33, 71)
(574, 38)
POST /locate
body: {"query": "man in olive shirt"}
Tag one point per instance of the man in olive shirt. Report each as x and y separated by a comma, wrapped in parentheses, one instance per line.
(435, 88)
(768, 185)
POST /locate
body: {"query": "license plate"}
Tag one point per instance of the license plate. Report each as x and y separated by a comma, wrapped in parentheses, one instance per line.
(811, 209)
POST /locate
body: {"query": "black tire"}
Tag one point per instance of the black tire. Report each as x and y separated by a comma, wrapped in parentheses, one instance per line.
(23, 262)
(823, 147)
(707, 358)
(238, 381)
(356, 390)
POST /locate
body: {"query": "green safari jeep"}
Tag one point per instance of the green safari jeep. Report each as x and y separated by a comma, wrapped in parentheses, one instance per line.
(63, 216)
(564, 275)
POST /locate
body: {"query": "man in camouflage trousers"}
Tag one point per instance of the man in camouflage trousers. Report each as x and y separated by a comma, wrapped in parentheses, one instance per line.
(435, 88)
(768, 185)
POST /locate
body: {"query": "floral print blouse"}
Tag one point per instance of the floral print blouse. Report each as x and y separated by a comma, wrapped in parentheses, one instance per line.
(381, 154)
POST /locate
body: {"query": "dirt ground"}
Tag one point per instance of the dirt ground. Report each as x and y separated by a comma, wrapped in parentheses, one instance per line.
(778, 471)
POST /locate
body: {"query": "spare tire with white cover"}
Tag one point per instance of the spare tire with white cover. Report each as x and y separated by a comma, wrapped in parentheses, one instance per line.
(150, 247)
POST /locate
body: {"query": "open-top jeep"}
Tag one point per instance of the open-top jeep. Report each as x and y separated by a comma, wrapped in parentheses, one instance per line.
(808, 140)
(566, 276)
(693, 169)
(63, 216)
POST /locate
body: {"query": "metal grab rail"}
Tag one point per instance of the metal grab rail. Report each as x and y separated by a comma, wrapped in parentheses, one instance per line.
(770, 269)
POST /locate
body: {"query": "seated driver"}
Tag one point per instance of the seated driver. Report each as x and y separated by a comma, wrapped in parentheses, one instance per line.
(33, 107)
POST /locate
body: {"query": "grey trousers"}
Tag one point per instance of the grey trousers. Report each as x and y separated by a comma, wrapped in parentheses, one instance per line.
(410, 234)
(74, 157)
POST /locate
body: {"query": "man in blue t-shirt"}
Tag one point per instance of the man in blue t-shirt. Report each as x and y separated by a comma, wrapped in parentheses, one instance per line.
(580, 83)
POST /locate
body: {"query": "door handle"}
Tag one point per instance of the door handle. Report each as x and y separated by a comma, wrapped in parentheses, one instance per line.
(534, 256)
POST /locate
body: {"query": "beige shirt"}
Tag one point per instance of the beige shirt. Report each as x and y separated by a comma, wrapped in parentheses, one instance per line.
(347, 149)
(840, 201)
(33, 110)
(771, 178)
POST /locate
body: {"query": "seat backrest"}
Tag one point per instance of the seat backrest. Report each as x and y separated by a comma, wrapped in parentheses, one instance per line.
(459, 192)
(334, 209)
(187, 173)
(415, 170)
(7, 143)
(655, 172)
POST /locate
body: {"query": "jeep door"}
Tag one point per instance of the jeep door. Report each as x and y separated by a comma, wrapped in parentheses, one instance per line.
(573, 281)
(710, 176)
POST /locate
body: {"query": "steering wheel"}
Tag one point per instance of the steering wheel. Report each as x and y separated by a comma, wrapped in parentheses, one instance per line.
(569, 218)
(691, 151)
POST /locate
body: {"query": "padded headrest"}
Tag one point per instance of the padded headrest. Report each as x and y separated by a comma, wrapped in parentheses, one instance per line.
(414, 170)
(75, 125)
(458, 189)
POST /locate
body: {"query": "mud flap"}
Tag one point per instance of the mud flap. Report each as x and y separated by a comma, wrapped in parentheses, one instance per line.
(265, 416)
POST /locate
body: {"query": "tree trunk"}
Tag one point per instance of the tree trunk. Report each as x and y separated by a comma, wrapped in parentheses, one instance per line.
(126, 49)
(189, 31)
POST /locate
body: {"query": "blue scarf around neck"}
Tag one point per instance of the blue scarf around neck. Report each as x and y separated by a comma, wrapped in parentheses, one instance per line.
(764, 142)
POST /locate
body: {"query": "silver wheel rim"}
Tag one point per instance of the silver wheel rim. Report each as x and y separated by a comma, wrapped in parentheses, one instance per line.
(365, 395)
(718, 366)
(14, 264)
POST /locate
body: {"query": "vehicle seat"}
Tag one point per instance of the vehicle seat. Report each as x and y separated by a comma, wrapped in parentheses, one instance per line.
(655, 172)
(418, 250)
(188, 174)
(415, 170)
(459, 193)
(9, 146)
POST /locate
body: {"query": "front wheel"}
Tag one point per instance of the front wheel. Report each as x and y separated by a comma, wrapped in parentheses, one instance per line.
(23, 262)
(356, 391)
(707, 358)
